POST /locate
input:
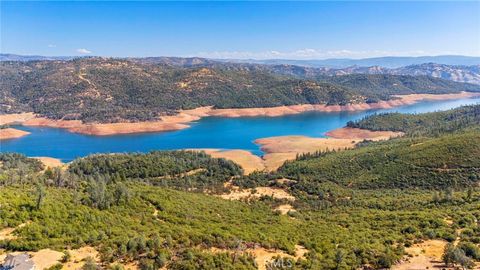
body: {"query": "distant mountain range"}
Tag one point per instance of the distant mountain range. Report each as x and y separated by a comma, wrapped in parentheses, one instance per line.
(25, 58)
(388, 62)
(454, 68)
(469, 74)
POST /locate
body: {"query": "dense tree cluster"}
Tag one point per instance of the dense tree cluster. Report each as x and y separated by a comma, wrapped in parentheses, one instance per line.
(181, 169)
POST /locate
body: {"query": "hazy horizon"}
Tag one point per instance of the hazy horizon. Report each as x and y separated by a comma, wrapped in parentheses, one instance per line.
(245, 59)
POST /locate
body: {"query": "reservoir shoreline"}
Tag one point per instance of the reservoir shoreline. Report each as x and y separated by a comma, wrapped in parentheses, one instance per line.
(184, 117)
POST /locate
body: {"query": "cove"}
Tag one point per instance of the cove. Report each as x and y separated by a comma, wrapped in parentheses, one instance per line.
(209, 132)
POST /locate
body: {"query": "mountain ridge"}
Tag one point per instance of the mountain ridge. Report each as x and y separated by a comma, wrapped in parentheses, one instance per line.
(110, 90)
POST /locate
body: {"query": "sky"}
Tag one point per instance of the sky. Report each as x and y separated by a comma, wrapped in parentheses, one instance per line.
(241, 30)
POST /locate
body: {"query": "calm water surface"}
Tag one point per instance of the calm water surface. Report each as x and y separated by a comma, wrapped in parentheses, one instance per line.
(210, 132)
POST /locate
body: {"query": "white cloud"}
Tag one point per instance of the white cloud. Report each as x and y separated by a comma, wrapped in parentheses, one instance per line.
(308, 53)
(51, 46)
(84, 51)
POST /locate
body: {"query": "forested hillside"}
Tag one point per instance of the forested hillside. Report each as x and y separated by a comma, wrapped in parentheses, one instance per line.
(449, 161)
(441, 151)
(434, 123)
(112, 90)
(114, 204)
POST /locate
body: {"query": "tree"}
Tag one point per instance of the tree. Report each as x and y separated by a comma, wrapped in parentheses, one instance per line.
(462, 259)
(66, 256)
(339, 255)
(453, 255)
(448, 254)
(39, 195)
(121, 192)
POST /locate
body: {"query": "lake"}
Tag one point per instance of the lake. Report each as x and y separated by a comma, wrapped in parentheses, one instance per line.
(210, 132)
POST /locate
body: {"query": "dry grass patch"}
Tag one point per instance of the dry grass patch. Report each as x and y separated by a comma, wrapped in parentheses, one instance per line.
(285, 208)
(78, 257)
(426, 255)
(358, 134)
(7, 233)
(256, 193)
(283, 148)
(248, 161)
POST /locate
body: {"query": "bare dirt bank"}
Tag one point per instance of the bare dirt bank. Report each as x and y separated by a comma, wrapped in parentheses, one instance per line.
(50, 162)
(280, 149)
(11, 133)
(181, 120)
(296, 109)
(362, 134)
(77, 126)
(283, 148)
(248, 161)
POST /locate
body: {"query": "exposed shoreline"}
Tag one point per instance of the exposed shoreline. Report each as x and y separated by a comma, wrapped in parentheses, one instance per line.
(282, 148)
(184, 117)
(12, 133)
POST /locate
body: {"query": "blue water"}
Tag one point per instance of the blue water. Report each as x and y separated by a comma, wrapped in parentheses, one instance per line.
(210, 132)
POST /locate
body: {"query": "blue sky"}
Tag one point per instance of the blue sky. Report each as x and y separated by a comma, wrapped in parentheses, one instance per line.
(294, 30)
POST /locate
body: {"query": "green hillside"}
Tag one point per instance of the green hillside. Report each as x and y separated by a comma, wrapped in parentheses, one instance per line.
(449, 161)
(425, 124)
(112, 90)
(129, 218)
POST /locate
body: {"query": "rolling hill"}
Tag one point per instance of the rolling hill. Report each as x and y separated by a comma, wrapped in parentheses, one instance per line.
(111, 90)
